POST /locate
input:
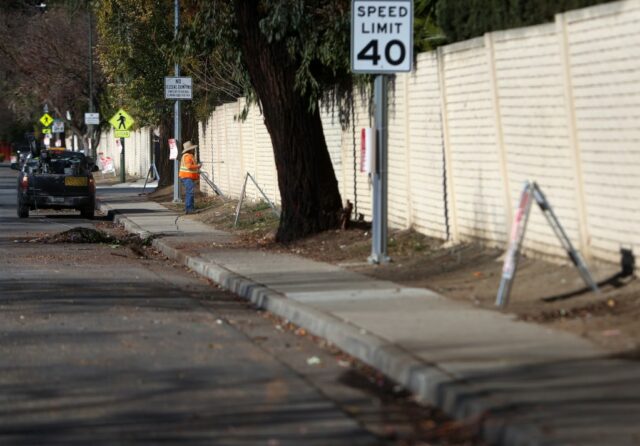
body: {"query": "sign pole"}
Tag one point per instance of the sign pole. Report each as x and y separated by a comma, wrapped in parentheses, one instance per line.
(381, 44)
(121, 122)
(122, 173)
(177, 130)
(379, 224)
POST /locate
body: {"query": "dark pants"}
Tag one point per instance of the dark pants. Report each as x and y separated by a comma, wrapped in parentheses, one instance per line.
(189, 199)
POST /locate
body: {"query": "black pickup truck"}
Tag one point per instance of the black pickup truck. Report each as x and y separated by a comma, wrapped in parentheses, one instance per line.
(56, 179)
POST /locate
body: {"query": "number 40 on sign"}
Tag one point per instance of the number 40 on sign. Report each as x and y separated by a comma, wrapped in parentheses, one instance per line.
(381, 36)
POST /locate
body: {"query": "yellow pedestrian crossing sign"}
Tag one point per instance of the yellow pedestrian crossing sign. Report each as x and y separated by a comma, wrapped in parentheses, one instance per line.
(121, 120)
(46, 120)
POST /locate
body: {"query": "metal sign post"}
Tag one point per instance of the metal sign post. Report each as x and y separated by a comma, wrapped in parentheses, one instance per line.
(122, 169)
(177, 128)
(121, 122)
(381, 43)
(177, 131)
(379, 230)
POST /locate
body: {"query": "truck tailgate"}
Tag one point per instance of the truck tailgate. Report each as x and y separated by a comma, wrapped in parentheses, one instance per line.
(59, 185)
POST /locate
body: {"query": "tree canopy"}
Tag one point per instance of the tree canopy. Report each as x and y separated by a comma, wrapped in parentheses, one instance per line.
(283, 55)
(45, 61)
(133, 37)
(464, 19)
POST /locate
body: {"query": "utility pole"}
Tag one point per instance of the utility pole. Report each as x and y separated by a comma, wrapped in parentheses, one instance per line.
(177, 128)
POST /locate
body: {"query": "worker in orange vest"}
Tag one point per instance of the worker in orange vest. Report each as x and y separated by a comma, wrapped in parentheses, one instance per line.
(189, 174)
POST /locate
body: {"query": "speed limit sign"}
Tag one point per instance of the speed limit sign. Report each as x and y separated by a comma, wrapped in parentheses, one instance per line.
(381, 36)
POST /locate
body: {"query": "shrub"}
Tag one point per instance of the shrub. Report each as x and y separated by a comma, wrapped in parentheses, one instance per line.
(464, 19)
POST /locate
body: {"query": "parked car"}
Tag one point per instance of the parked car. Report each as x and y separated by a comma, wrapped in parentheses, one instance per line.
(56, 179)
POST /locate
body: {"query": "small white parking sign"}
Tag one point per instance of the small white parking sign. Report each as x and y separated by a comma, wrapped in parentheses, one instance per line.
(381, 36)
(92, 118)
(58, 126)
(177, 88)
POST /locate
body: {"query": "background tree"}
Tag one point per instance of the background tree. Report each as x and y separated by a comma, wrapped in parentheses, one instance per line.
(207, 52)
(464, 19)
(46, 61)
(426, 33)
(292, 51)
(134, 42)
(286, 55)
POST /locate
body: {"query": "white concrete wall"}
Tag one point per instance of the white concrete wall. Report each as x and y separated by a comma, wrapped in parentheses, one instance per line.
(603, 59)
(137, 151)
(557, 103)
(425, 160)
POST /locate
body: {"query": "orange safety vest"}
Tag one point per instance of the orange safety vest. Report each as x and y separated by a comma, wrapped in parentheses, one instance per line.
(188, 167)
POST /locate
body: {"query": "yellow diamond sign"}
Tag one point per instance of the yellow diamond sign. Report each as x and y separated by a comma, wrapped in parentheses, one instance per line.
(46, 120)
(121, 120)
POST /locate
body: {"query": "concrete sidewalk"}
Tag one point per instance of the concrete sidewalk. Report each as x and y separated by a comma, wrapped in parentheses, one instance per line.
(526, 384)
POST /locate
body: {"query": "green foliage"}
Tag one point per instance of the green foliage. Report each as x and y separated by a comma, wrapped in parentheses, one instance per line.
(207, 49)
(316, 34)
(464, 19)
(426, 33)
(14, 131)
(133, 40)
(45, 60)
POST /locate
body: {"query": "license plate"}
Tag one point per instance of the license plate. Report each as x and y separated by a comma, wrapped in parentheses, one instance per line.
(75, 181)
(56, 199)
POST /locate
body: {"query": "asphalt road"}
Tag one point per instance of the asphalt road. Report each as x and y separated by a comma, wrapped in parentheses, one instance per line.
(99, 346)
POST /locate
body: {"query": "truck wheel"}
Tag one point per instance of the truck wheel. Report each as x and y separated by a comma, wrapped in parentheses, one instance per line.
(23, 210)
(88, 212)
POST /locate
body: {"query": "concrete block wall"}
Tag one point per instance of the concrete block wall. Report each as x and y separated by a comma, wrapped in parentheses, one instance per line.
(356, 185)
(534, 134)
(475, 184)
(603, 62)
(557, 103)
(426, 181)
(206, 152)
(137, 150)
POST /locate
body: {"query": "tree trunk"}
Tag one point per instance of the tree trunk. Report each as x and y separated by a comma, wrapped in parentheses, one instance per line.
(309, 191)
(189, 133)
(163, 163)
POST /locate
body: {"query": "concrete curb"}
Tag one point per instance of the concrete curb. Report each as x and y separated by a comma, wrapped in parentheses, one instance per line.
(428, 382)
(120, 219)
